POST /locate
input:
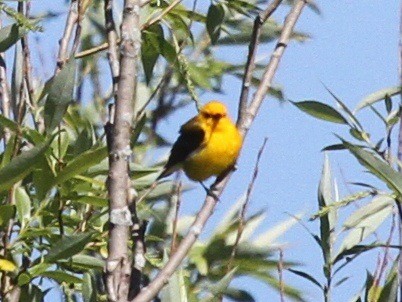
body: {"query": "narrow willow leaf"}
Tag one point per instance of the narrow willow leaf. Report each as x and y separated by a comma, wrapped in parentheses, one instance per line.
(32, 293)
(150, 49)
(220, 287)
(378, 96)
(345, 108)
(7, 212)
(269, 237)
(305, 276)
(23, 204)
(81, 163)
(10, 35)
(377, 167)
(378, 204)
(20, 166)
(321, 111)
(60, 277)
(81, 262)
(175, 290)
(328, 221)
(364, 228)
(60, 96)
(89, 288)
(92, 200)
(238, 295)
(7, 265)
(389, 292)
(68, 246)
(334, 147)
(215, 17)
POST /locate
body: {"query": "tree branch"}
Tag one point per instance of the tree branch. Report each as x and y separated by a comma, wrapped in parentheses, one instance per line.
(72, 19)
(113, 56)
(118, 266)
(250, 65)
(149, 292)
(272, 66)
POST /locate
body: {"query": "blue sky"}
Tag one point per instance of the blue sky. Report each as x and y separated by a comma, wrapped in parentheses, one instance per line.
(354, 51)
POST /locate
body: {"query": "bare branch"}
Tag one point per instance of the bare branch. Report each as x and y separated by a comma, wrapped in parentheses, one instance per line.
(118, 265)
(242, 213)
(94, 50)
(272, 66)
(113, 56)
(217, 188)
(177, 196)
(105, 45)
(72, 19)
(78, 28)
(252, 50)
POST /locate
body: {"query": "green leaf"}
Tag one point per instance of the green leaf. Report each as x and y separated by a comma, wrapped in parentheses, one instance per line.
(365, 221)
(321, 111)
(327, 221)
(23, 204)
(175, 290)
(305, 276)
(378, 96)
(389, 292)
(31, 293)
(220, 287)
(61, 277)
(10, 35)
(152, 38)
(238, 295)
(60, 96)
(68, 246)
(80, 164)
(83, 262)
(334, 147)
(89, 288)
(92, 200)
(20, 166)
(215, 17)
(377, 167)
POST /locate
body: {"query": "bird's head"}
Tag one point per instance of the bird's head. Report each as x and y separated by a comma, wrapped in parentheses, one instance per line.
(213, 112)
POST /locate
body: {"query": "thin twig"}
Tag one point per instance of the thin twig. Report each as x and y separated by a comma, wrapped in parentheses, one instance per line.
(105, 45)
(398, 202)
(161, 15)
(177, 196)
(27, 71)
(150, 291)
(242, 213)
(252, 50)
(272, 66)
(112, 54)
(4, 94)
(78, 27)
(280, 273)
(72, 19)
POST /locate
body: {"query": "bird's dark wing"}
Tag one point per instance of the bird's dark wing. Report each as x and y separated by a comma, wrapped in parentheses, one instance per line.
(190, 139)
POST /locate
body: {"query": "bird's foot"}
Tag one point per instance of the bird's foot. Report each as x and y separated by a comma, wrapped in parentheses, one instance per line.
(209, 191)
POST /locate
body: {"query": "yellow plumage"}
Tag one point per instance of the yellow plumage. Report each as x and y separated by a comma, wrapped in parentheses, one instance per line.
(208, 144)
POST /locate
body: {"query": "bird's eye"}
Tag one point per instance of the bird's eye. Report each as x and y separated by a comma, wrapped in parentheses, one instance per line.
(207, 115)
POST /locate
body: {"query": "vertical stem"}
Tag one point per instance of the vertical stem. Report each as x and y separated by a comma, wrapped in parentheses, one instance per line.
(398, 202)
(118, 266)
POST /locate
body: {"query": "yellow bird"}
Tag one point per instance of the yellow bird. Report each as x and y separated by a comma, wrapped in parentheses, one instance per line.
(208, 144)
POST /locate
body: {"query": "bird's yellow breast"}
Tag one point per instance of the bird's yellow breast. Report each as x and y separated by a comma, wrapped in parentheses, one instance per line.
(220, 150)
